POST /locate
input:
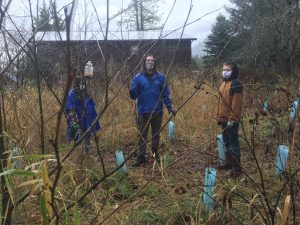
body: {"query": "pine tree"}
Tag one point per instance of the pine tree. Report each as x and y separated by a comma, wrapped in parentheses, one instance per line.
(48, 19)
(268, 32)
(216, 46)
(140, 15)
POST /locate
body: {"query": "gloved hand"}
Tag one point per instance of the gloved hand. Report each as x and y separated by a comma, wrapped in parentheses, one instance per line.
(132, 94)
(173, 111)
(87, 94)
(75, 131)
(230, 123)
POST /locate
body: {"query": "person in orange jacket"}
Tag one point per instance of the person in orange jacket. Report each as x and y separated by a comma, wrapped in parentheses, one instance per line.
(228, 116)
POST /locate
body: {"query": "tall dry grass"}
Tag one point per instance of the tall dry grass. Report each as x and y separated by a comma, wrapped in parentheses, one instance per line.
(147, 194)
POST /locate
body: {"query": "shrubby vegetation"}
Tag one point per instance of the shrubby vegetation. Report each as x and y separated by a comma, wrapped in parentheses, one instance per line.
(46, 180)
(262, 34)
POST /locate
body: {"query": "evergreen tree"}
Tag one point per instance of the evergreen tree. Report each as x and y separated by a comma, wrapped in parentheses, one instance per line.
(140, 15)
(216, 46)
(268, 32)
(48, 19)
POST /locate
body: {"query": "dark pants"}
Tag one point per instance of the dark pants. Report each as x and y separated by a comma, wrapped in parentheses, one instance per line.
(231, 140)
(143, 122)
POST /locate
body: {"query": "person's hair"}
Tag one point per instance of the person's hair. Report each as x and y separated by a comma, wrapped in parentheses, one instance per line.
(234, 67)
(144, 63)
(76, 78)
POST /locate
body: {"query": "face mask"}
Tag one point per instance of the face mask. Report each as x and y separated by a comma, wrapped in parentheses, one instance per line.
(226, 74)
(149, 65)
(82, 86)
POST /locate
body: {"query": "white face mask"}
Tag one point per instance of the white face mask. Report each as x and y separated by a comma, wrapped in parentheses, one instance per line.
(226, 74)
(82, 86)
(149, 65)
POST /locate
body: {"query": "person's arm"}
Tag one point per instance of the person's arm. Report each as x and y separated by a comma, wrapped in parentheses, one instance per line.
(219, 99)
(69, 101)
(218, 111)
(133, 91)
(166, 98)
(237, 103)
(74, 131)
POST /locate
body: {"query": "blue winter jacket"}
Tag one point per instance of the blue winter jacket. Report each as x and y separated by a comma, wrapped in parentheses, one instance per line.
(151, 91)
(85, 109)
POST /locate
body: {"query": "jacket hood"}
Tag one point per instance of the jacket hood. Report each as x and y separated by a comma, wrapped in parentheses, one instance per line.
(234, 74)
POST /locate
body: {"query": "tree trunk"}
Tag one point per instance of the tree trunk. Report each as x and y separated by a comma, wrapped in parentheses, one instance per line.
(136, 8)
(141, 15)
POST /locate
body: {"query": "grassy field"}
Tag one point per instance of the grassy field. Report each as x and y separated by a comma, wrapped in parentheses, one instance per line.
(170, 193)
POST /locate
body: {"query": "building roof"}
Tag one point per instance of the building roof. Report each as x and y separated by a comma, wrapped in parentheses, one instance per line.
(113, 35)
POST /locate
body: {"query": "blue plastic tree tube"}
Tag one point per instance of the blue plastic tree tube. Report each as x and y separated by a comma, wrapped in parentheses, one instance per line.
(221, 149)
(294, 109)
(15, 154)
(209, 185)
(266, 106)
(120, 160)
(171, 131)
(281, 159)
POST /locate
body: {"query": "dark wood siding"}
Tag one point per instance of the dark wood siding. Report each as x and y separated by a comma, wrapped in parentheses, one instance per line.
(52, 53)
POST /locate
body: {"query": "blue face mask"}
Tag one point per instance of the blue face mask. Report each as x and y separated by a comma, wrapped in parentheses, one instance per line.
(226, 74)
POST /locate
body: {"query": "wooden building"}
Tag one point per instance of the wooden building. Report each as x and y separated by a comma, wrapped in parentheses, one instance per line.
(126, 50)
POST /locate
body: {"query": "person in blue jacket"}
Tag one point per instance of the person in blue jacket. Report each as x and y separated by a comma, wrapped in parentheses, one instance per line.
(80, 109)
(151, 90)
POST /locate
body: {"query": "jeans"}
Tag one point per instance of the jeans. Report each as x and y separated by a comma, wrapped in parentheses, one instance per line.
(231, 139)
(143, 123)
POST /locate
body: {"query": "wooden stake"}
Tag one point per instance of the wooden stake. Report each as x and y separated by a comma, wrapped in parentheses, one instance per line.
(286, 210)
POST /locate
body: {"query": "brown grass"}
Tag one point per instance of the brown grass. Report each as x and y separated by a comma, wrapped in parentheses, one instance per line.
(150, 196)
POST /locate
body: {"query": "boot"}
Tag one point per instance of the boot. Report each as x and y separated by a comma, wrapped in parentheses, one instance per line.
(139, 161)
(87, 148)
(236, 171)
(228, 164)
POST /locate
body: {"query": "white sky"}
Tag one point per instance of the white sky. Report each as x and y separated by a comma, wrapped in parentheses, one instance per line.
(199, 29)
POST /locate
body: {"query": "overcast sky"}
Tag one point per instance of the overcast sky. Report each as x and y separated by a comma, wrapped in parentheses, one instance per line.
(199, 29)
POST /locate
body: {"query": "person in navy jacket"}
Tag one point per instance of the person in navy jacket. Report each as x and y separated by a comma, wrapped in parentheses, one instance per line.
(81, 113)
(151, 90)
